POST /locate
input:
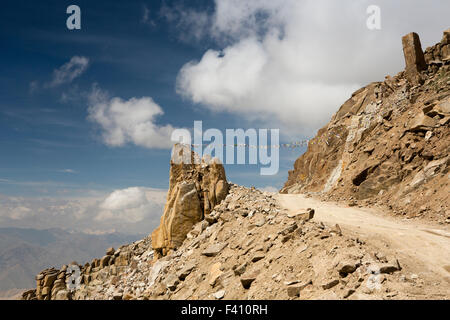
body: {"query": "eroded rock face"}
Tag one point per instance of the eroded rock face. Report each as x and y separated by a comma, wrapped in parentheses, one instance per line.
(379, 144)
(195, 189)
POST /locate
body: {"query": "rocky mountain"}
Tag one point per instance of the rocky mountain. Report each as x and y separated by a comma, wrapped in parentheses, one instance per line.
(217, 240)
(24, 252)
(389, 144)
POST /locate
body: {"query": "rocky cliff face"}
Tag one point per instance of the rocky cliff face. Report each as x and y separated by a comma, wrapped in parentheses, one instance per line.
(389, 143)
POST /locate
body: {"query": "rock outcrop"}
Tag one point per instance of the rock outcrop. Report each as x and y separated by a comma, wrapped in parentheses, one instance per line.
(389, 143)
(195, 188)
(414, 58)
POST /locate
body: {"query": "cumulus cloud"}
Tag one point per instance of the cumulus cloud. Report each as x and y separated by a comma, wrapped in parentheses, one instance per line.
(292, 62)
(132, 205)
(69, 71)
(129, 121)
(131, 210)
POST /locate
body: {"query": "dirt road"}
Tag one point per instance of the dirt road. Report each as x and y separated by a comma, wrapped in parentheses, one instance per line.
(425, 248)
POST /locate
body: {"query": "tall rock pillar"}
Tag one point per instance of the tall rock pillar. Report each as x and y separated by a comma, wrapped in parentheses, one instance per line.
(414, 57)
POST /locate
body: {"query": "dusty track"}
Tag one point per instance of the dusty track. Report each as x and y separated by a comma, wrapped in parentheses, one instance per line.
(425, 248)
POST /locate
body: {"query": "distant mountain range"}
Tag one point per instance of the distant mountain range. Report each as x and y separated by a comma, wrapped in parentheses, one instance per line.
(25, 252)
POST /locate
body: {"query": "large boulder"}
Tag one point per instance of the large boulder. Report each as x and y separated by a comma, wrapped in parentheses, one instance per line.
(196, 186)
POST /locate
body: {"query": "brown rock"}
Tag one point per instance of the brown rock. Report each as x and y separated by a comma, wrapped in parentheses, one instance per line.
(248, 278)
(104, 261)
(390, 267)
(346, 267)
(215, 273)
(214, 249)
(258, 256)
(49, 279)
(172, 282)
(194, 190)
(330, 284)
(293, 291)
(414, 58)
(186, 270)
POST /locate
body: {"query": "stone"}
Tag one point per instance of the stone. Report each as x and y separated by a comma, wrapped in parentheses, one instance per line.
(390, 267)
(258, 256)
(290, 228)
(104, 262)
(330, 284)
(248, 278)
(306, 214)
(348, 293)
(110, 251)
(422, 123)
(440, 108)
(186, 270)
(49, 279)
(211, 219)
(293, 291)
(414, 57)
(260, 222)
(117, 295)
(172, 282)
(215, 273)
(346, 267)
(195, 188)
(219, 294)
(221, 190)
(213, 249)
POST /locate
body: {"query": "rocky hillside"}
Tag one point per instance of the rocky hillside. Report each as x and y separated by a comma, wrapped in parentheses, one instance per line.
(389, 144)
(248, 248)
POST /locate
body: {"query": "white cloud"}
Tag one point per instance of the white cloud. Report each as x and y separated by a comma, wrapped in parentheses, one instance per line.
(20, 212)
(131, 205)
(131, 210)
(293, 63)
(194, 23)
(68, 71)
(130, 121)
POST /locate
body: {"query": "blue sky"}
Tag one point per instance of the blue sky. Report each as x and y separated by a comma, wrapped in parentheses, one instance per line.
(232, 64)
(43, 135)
